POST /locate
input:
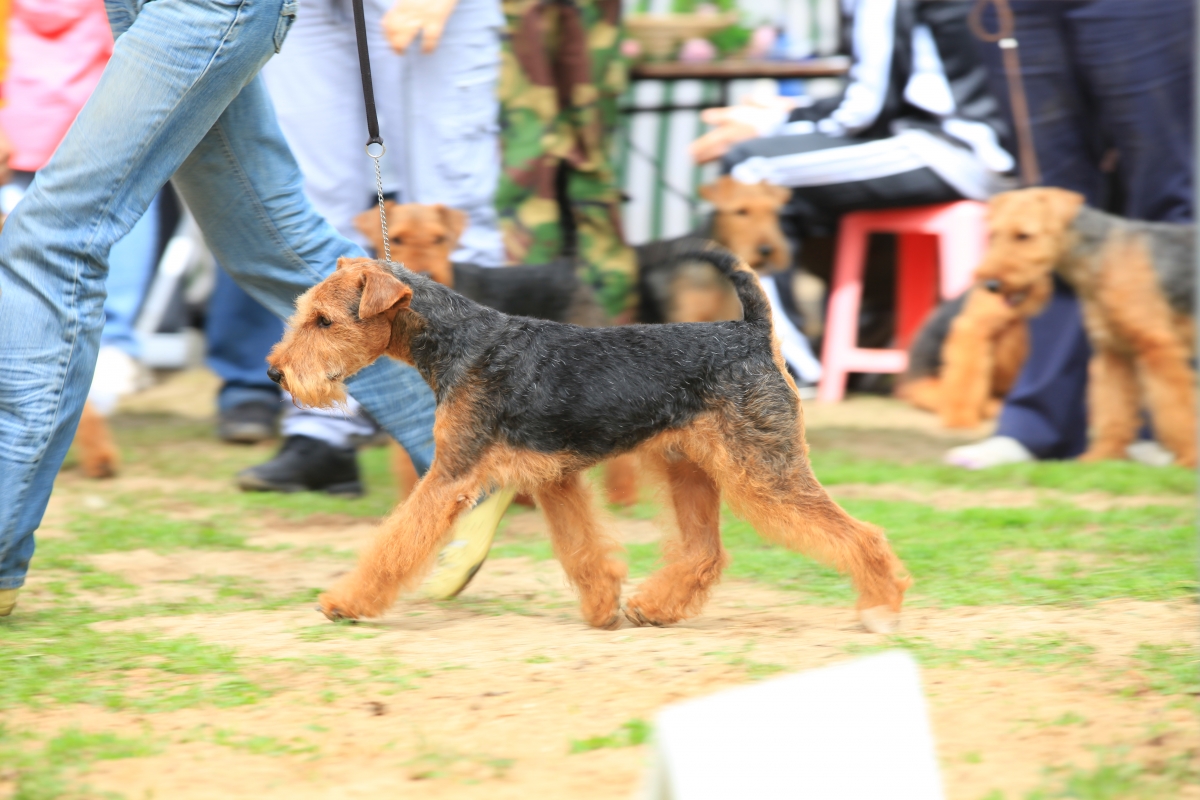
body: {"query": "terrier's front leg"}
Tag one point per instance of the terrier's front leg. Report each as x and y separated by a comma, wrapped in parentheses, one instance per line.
(403, 548)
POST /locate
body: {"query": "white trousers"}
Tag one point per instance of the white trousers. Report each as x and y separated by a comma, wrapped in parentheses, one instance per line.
(438, 116)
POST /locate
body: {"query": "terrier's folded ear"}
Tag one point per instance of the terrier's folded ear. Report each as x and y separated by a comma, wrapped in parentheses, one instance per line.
(383, 294)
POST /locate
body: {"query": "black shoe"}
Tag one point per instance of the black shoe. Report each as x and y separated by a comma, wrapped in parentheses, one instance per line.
(305, 464)
(248, 423)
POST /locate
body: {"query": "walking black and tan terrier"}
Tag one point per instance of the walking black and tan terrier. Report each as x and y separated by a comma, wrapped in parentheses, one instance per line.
(531, 404)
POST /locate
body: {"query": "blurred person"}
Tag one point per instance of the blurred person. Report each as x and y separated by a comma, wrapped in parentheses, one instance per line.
(562, 75)
(447, 153)
(179, 100)
(1098, 74)
(57, 52)
(916, 123)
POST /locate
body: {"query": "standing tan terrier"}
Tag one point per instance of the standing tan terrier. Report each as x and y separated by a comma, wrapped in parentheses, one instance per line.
(531, 404)
(1135, 281)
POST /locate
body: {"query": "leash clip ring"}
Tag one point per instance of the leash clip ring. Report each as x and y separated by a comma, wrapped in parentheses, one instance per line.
(376, 150)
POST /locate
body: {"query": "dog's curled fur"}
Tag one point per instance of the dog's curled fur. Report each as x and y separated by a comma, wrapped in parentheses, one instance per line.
(531, 403)
(1135, 282)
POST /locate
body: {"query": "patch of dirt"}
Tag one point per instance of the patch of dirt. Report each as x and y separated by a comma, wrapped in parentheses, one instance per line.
(877, 413)
(160, 576)
(190, 393)
(509, 671)
(950, 499)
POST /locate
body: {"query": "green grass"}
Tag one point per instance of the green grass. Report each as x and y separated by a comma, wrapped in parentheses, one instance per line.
(630, 734)
(1040, 651)
(1113, 477)
(1117, 778)
(978, 556)
(56, 657)
(49, 769)
(1170, 669)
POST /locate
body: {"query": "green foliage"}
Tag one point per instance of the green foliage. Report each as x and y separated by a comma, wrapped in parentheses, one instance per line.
(732, 40)
(630, 734)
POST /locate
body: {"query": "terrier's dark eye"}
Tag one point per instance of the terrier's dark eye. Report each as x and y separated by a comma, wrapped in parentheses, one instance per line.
(1020, 237)
(439, 240)
(323, 322)
(741, 212)
(397, 240)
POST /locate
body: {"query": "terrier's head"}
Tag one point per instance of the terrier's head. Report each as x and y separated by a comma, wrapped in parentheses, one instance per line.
(1028, 234)
(422, 237)
(341, 325)
(747, 221)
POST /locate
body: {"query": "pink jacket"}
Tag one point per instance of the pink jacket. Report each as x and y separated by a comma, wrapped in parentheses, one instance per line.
(57, 50)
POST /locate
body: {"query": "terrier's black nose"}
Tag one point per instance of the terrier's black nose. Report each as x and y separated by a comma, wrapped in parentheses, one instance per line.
(765, 250)
(993, 285)
(274, 374)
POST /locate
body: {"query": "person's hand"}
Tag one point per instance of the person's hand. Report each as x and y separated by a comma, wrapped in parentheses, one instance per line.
(739, 123)
(408, 18)
(5, 155)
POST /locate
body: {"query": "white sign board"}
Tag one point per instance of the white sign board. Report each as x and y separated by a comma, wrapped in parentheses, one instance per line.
(853, 731)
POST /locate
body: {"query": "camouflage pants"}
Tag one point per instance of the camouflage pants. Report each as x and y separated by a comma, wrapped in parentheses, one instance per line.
(560, 78)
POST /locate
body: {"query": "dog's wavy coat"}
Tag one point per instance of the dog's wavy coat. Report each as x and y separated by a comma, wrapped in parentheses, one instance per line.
(531, 404)
(1135, 282)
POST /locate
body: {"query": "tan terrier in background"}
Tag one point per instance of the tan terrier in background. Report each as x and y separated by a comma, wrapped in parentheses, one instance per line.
(968, 354)
(1135, 281)
(532, 403)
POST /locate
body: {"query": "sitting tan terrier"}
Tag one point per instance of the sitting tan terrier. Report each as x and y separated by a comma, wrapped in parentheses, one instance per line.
(968, 354)
(1135, 282)
(530, 404)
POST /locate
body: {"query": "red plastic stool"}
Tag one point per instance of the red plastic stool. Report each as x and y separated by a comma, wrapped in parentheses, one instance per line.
(950, 235)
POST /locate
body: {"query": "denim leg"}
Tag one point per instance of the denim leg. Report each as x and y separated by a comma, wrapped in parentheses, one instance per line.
(175, 71)
(131, 262)
(240, 333)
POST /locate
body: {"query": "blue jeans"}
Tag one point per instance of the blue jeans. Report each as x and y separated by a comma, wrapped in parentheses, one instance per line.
(180, 100)
(240, 333)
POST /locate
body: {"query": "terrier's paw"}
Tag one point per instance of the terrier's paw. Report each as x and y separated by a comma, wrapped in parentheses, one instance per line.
(334, 610)
(880, 619)
(640, 618)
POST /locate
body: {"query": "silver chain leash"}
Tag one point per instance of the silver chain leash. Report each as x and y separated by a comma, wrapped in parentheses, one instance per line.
(387, 245)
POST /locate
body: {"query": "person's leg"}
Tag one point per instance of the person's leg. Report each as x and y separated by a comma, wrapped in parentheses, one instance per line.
(532, 143)
(188, 65)
(183, 62)
(449, 119)
(1045, 414)
(1136, 60)
(131, 263)
(239, 333)
(831, 176)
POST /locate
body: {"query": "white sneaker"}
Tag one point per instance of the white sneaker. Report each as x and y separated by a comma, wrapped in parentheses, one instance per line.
(117, 374)
(991, 452)
(1150, 453)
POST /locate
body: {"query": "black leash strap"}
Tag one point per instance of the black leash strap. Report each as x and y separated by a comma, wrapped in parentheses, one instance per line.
(375, 146)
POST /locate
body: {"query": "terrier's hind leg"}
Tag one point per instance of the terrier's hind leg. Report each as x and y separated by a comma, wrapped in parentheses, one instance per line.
(805, 518)
(694, 560)
(584, 550)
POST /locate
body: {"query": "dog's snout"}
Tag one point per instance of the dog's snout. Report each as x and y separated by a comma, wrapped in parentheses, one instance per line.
(274, 374)
(765, 250)
(994, 286)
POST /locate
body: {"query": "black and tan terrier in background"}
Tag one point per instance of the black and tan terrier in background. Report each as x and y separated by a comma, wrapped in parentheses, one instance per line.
(1135, 281)
(532, 403)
